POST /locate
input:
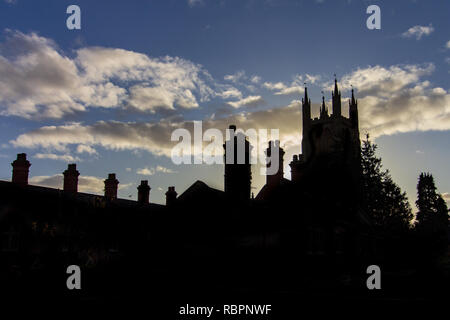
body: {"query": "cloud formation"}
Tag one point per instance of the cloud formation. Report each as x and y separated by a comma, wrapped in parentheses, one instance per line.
(37, 80)
(250, 101)
(152, 170)
(87, 184)
(153, 137)
(396, 99)
(391, 100)
(60, 157)
(418, 31)
(446, 196)
(296, 87)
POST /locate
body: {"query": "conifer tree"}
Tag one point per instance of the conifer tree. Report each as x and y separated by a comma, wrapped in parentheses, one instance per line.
(383, 200)
(433, 212)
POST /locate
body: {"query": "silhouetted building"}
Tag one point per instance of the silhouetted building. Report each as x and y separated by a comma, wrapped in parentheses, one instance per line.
(238, 173)
(20, 170)
(309, 227)
(144, 192)
(111, 185)
(71, 179)
(332, 140)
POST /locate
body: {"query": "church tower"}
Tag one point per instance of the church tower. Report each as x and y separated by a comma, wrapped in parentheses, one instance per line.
(332, 138)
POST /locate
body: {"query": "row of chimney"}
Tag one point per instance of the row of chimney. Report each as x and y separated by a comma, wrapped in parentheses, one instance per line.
(21, 168)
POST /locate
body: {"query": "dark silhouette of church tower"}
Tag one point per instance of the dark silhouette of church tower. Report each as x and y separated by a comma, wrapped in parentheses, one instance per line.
(71, 179)
(111, 185)
(238, 172)
(144, 192)
(333, 136)
(20, 170)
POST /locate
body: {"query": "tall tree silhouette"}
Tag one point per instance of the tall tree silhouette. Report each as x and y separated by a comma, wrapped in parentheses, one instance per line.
(433, 212)
(383, 200)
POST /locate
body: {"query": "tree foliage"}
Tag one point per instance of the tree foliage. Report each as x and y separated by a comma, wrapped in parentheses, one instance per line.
(433, 212)
(383, 200)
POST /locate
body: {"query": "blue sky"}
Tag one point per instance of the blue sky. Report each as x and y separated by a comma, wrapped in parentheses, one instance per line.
(108, 96)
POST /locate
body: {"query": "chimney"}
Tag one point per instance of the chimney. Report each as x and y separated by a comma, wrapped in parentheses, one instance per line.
(171, 196)
(143, 192)
(111, 187)
(238, 172)
(20, 170)
(278, 176)
(71, 178)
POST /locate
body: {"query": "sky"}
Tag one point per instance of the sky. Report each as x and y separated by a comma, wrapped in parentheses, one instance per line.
(109, 95)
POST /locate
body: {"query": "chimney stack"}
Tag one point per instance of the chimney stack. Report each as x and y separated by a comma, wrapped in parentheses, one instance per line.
(238, 171)
(71, 178)
(276, 178)
(111, 187)
(171, 196)
(144, 192)
(20, 170)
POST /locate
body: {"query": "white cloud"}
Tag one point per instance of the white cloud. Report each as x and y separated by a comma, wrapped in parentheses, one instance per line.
(236, 77)
(152, 170)
(296, 87)
(255, 79)
(146, 171)
(396, 99)
(152, 137)
(87, 184)
(390, 99)
(37, 80)
(447, 45)
(86, 149)
(312, 78)
(274, 85)
(446, 196)
(231, 92)
(418, 31)
(60, 157)
(250, 101)
(164, 169)
(282, 89)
